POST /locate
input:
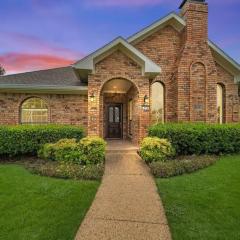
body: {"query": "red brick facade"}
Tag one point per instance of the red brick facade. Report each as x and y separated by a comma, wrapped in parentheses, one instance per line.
(63, 109)
(190, 75)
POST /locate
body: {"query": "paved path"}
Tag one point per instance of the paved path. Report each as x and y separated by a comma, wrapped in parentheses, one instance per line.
(127, 205)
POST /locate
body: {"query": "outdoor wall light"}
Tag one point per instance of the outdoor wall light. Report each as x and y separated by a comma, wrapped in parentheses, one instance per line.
(145, 105)
(92, 97)
(146, 100)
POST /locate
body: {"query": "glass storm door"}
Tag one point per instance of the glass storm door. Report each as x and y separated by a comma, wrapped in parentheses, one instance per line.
(114, 121)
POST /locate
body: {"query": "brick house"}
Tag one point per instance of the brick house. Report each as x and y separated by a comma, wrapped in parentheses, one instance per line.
(168, 72)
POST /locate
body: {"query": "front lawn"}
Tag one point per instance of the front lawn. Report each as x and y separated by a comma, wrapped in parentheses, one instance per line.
(39, 208)
(206, 204)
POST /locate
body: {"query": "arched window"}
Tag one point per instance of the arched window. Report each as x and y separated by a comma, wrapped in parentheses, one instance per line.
(220, 103)
(157, 114)
(34, 111)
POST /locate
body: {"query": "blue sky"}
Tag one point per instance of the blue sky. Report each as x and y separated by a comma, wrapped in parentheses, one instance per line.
(37, 34)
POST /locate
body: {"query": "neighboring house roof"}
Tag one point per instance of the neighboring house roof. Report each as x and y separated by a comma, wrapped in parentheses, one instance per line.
(179, 23)
(58, 80)
(87, 64)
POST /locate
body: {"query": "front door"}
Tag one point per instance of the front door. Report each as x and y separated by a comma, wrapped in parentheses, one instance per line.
(114, 121)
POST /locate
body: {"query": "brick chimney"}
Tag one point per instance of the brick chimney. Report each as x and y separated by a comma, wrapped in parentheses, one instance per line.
(197, 73)
(195, 13)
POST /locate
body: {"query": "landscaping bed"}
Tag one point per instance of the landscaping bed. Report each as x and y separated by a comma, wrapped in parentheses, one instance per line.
(181, 165)
(57, 170)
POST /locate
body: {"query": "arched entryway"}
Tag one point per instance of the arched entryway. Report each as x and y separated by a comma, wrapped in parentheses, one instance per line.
(119, 110)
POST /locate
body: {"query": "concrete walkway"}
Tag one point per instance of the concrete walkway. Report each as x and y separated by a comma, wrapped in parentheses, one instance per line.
(127, 205)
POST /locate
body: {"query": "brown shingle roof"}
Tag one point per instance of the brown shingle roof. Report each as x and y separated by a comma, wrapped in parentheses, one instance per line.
(64, 76)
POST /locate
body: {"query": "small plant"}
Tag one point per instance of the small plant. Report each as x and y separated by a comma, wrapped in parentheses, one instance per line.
(154, 149)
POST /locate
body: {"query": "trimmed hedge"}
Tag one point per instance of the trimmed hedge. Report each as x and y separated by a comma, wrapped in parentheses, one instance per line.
(198, 139)
(26, 139)
(88, 151)
(180, 167)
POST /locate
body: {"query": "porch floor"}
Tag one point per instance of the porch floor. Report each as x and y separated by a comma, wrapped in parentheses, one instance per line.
(121, 145)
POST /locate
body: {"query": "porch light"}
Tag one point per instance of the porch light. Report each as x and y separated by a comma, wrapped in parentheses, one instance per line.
(146, 100)
(145, 105)
(92, 97)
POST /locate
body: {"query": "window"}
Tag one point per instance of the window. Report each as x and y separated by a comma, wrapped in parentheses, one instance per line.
(157, 114)
(220, 103)
(34, 111)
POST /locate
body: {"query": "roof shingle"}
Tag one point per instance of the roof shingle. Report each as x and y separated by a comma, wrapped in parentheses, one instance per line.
(64, 76)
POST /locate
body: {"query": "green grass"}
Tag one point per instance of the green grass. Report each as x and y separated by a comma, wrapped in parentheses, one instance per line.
(41, 208)
(204, 205)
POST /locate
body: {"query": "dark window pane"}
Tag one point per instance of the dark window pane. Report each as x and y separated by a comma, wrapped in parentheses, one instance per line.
(111, 114)
(117, 115)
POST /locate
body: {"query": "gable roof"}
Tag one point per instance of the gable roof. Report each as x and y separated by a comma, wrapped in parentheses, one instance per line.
(179, 23)
(87, 64)
(171, 19)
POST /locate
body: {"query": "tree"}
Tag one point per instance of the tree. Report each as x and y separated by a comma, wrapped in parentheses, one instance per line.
(2, 70)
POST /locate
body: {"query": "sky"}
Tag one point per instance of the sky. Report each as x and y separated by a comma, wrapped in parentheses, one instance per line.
(40, 34)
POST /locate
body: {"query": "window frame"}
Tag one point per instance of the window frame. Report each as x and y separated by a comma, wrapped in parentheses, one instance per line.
(21, 109)
(164, 101)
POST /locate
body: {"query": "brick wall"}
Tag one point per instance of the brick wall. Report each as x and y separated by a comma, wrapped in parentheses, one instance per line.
(63, 109)
(116, 66)
(163, 47)
(231, 111)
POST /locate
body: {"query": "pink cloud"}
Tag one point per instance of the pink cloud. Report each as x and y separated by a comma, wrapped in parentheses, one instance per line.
(31, 44)
(30, 53)
(22, 62)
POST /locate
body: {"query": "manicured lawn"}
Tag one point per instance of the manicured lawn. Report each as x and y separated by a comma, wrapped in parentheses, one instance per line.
(41, 208)
(206, 204)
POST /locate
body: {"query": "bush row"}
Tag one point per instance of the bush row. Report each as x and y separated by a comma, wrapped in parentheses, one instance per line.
(179, 167)
(199, 139)
(25, 139)
(88, 151)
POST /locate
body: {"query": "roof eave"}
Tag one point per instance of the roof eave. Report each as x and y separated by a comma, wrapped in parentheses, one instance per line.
(178, 24)
(226, 61)
(24, 88)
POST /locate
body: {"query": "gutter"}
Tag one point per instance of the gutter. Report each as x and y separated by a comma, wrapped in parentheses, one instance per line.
(25, 88)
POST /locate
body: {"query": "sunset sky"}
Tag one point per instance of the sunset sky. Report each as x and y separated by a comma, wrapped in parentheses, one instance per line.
(39, 34)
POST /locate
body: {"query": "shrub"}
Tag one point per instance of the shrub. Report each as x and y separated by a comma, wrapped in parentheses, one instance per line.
(179, 167)
(26, 139)
(90, 150)
(198, 139)
(154, 149)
